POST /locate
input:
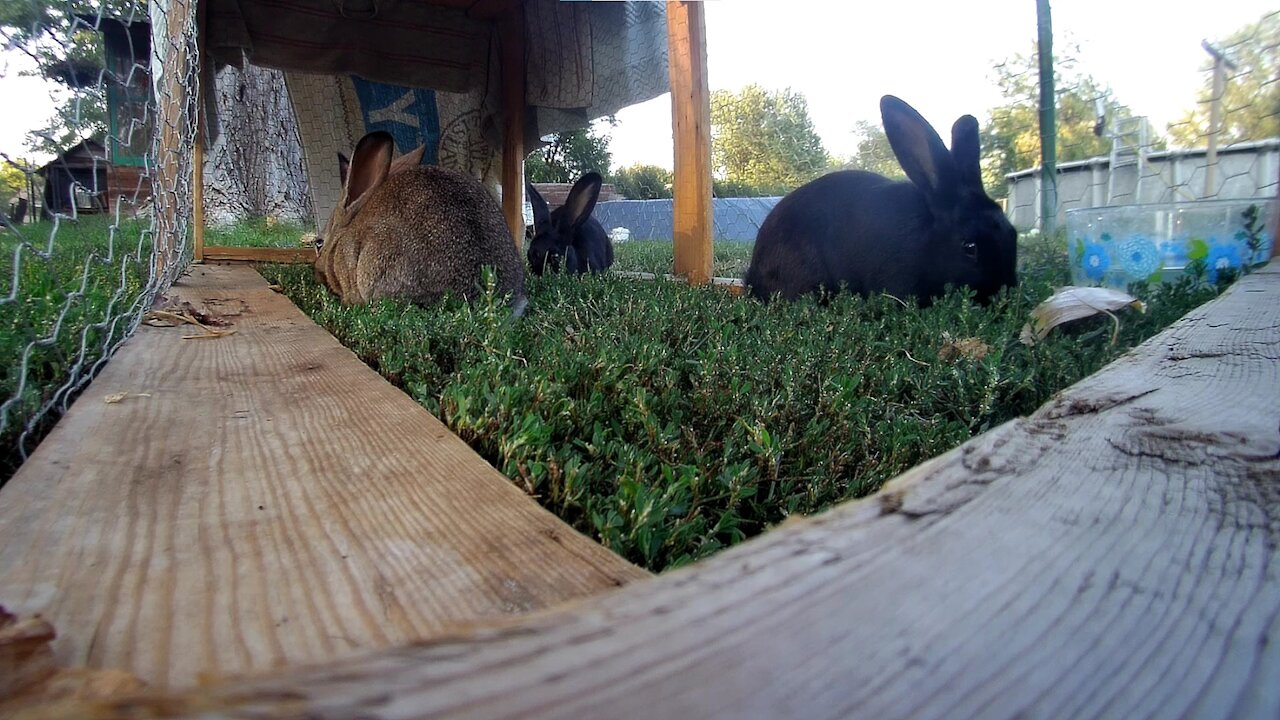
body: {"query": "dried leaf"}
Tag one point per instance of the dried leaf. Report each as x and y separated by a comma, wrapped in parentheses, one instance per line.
(970, 348)
(1074, 303)
(114, 398)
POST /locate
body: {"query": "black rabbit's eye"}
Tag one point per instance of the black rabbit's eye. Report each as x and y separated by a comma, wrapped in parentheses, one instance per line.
(970, 248)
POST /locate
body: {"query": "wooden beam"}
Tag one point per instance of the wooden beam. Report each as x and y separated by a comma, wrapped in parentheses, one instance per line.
(735, 286)
(511, 30)
(197, 149)
(1112, 555)
(691, 130)
(218, 506)
(289, 256)
(174, 123)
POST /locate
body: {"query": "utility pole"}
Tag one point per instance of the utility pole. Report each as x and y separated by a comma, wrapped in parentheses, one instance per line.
(1221, 64)
(1048, 123)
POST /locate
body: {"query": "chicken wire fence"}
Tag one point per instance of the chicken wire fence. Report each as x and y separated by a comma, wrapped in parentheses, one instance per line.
(97, 212)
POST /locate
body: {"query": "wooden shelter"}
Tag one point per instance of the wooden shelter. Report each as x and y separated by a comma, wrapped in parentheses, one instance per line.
(76, 180)
(502, 27)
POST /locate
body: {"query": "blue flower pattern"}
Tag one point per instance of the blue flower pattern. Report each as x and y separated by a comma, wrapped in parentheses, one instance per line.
(1139, 258)
(1096, 260)
(1222, 256)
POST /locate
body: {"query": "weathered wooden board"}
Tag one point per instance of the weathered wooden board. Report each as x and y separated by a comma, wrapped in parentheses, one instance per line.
(297, 256)
(1114, 555)
(264, 499)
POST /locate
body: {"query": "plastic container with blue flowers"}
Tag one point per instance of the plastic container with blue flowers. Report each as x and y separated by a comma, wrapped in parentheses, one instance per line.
(1115, 246)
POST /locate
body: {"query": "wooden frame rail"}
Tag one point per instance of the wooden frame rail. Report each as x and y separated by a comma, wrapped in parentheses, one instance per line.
(1113, 554)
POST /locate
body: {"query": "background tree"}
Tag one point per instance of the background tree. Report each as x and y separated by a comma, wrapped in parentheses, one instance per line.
(570, 154)
(1251, 100)
(763, 142)
(60, 38)
(1011, 137)
(12, 182)
(642, 182)
(874, 152)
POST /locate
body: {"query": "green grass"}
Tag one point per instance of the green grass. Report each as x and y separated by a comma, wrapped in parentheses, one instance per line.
(258, 232)
(729, 259)
(670, 422)
(69, 302)
(664, 420)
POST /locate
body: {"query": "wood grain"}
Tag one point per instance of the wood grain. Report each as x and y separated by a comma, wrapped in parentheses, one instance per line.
(691, 133)
(1113, 555)
(262, 500)
(295, 256)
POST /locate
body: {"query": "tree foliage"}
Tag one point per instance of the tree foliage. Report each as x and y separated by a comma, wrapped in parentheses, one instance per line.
(60, 38)
(1251, 98)
(763, 142)
(12, 182)
(874, 152)
(1011, 137)
(570, 154)
(643, 182)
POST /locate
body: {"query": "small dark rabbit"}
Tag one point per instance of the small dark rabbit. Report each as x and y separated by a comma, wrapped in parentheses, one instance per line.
(413, 231)
(569, 234)
(876, 235)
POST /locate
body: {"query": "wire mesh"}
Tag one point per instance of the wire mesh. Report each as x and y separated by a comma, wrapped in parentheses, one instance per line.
(99, 227)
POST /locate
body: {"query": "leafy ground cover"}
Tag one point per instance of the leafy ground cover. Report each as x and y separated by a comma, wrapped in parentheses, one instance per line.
(670, 422)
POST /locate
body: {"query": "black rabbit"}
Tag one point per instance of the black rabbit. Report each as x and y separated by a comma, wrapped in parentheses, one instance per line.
(876, 235)
(569, 234)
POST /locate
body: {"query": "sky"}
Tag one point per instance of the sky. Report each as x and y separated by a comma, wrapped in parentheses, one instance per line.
(938, 55)
(843, 55)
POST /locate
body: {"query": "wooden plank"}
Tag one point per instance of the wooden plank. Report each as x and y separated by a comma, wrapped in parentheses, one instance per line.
(300, 255)
(511, 28)
(197, 149)
(691, 131)
(1113, 555)
(735, 286)
(173, 122)
(262, 500)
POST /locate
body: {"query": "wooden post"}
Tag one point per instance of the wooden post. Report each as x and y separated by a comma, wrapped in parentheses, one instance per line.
(171, 24)
(511, 33)
(691, 130)
(197, 148)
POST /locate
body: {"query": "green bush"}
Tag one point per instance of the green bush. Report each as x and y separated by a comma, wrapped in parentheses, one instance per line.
(670, 421)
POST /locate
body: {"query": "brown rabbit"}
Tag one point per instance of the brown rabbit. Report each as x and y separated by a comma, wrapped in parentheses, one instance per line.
(412, 231)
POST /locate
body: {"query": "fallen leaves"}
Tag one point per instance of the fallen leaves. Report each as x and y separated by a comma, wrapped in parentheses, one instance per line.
(114, 398)
(1075, 303)
(209, 317)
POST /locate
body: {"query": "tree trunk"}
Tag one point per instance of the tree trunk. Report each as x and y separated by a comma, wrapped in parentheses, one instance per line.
(254, 167)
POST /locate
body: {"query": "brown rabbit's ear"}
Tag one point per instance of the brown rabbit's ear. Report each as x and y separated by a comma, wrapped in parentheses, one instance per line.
(370, 165)
(411, 159)
(343, 166)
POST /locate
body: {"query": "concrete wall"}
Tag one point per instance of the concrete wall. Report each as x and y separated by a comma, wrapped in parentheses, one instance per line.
(1245, 171)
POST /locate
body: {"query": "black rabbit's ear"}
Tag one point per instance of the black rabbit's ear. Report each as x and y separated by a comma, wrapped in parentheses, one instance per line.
(965, 151)
(582, 199)
(541, 213)
(369, 167)
(919, 149)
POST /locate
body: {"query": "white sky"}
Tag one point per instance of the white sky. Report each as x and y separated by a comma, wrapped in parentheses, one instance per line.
(938, 56)
(843, 55)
